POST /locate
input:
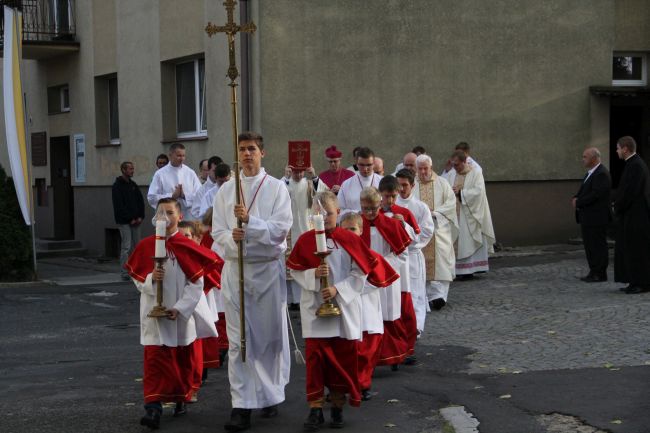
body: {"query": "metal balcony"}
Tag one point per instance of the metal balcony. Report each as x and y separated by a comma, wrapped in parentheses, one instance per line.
(48, 27)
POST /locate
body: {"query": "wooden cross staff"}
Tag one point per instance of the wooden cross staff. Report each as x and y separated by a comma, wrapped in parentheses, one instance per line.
(231, 29)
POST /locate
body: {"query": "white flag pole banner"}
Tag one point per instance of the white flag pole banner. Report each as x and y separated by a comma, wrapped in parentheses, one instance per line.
(15, 111)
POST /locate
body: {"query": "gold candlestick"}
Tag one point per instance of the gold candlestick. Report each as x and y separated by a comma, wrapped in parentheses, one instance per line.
(159, 310)
(327, 309)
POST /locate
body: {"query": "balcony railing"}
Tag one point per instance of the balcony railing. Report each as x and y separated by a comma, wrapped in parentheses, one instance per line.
(44, 20)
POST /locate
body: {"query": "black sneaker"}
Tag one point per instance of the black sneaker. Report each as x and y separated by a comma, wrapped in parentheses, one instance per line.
(314, 420)
(240, 419)
(151, 419)
(411, 360)
(437, 304)
(337, 417)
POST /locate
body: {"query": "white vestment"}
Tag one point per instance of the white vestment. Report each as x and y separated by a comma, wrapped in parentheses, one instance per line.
(300, 193)
(390, 297)
(164, 182)
(198, 198)
(194, 319)
(260, 381)
(443, 211)
(349, 280)
(417, 270)
(470, 161)
(476, 234)
(208, 199)
(350, 192)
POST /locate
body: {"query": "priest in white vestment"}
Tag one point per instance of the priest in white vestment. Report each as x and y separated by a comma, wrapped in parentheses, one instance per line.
(266, 216)
(417, 266)
(350, 190)
(175, 180)
(449, 167)
(476, 234)
(436, 193)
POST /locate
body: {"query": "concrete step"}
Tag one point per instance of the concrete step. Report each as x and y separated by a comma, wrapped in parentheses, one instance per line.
(63, 252)
(50, 245)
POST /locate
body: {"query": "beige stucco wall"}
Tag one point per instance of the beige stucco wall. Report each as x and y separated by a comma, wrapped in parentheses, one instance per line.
(511, 77)
(632, 25)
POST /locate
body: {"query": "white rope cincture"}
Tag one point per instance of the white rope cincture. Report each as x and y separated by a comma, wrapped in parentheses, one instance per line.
(300, 359)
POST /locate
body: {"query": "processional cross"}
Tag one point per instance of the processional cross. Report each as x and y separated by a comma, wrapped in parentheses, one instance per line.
(231, 29)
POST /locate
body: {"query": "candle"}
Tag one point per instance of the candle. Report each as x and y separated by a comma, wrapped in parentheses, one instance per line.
(161, 227)
(319, 228)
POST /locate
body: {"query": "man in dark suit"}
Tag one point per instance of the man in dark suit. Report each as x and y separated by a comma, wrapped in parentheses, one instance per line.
(632, 209)
(593, 213)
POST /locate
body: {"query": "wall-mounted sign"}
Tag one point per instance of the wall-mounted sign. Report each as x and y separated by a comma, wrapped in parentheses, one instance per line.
(79, 157)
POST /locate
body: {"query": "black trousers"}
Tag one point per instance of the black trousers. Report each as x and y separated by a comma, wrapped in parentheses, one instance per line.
(594, 239)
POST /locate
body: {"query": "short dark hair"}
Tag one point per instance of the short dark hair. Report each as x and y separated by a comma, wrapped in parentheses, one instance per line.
(175, 146)
(214, 160)
(460, 155)
(463, 145)
(162, 156)
(407, 174)
(418, 150)
(388, 183)
(251, 136)
(169, 200)
(201, 163)
(124, 164)
(355, 151)
(365, 152)
(628, 142)
(222, 170)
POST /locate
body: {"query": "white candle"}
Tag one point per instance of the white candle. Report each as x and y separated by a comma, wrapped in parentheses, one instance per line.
(319, 227)
(161, 227)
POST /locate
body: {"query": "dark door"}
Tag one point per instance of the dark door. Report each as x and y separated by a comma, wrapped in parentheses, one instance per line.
(624, 120)
(63, 204)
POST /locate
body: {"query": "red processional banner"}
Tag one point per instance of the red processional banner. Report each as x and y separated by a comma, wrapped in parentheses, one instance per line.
(299, 154)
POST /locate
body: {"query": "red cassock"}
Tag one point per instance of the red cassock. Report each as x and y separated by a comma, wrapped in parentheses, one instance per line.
(333, 362)
(394, 343)
(174, 373)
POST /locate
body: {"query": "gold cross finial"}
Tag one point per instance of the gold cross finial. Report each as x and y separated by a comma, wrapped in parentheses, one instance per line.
(231, 29)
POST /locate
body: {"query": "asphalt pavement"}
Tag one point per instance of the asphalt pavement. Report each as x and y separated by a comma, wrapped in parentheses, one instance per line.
(526, 348)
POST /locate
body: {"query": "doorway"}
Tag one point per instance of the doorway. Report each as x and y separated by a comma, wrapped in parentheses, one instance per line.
(627, 117)
(63, 199)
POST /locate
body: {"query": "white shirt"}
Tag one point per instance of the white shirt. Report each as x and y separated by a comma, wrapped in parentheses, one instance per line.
(164, 182)
(350, 192)
(198, 198)
(589, 173)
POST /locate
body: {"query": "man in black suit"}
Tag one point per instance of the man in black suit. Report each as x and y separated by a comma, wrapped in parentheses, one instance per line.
(593, 213)
(632, 209)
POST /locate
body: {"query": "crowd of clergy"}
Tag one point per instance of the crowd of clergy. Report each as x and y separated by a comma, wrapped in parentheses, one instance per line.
(389, 246)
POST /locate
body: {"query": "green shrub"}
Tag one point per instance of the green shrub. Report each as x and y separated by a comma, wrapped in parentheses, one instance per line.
(16, 262)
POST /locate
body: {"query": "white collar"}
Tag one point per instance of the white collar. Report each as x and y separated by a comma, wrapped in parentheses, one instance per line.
(252, 179)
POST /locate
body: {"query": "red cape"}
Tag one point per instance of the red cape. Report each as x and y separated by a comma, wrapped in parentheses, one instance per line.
(207, 241)
(332, 179)
(391, 230)
(409, 218)
(195, 261)
(380, 273)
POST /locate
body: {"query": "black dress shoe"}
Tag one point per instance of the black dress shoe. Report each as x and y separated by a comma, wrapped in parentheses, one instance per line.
(180, 409)
(151, 419)
(623, 289)
(594, 278)
(240, 419)
(366, 394)
(437, 304)
(633, 290)
(337, 417)
(411, 360)
(465, 277)
(394, 367)
(270, 411)
(314, 420)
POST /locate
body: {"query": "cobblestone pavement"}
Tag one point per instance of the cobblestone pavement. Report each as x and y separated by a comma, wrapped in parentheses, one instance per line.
(542, 317)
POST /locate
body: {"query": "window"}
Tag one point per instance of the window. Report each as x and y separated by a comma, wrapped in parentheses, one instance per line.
(629, 69)
(113, 112)
(190, 98)
(58, 99)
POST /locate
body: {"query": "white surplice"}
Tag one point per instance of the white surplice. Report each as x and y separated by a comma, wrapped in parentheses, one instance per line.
(476, 233)
(194, 319)
(350, 192)
(390, 297)
(208, 199)
(417, 270)
(300, 193)
(198, 198)
(164, 182)
(443, 211)
(349, 280)
(260, 381)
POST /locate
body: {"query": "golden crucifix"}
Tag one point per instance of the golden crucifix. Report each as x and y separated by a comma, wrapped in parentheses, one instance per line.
(231, 29)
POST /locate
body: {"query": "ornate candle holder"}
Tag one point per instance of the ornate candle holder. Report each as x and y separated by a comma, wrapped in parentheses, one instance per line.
(327, 309)
(159, 310)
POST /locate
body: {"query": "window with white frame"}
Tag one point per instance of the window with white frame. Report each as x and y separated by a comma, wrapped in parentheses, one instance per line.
(58, 99)
(113, 112)
(629, 69)
(190, 98)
